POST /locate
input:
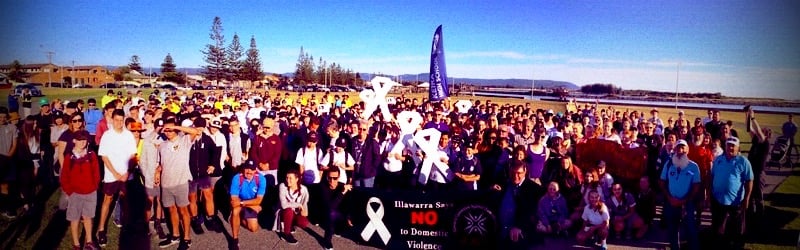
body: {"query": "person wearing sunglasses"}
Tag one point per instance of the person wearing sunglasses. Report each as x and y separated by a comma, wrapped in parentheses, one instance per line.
(331, 195)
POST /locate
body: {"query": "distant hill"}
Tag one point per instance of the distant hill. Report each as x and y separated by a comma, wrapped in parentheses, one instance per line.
(514, 83)
(423, 77)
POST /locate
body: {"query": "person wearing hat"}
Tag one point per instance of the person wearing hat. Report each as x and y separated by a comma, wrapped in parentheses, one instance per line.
(215, 132)
(655, 120)
(468, 168)
(731, 185)
(203, 163)
(308, 160)
(247, 191)
(337, 157)
(173, 175)
(80, 181)
(680, 178)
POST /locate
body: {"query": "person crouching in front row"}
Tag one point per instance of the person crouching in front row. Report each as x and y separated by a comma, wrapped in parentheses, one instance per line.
(293, 198)
(247, 191)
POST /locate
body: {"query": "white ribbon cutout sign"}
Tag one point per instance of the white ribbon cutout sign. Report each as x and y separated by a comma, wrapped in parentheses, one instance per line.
(432, 155)
(463, 106)
(376, 97)
(375, 222)
(408, 121)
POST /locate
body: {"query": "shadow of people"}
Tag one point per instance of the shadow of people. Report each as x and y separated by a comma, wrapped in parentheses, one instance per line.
(135, 233)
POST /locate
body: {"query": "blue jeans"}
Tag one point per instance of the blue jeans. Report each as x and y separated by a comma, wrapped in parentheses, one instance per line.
(681, 223)
(364, 182)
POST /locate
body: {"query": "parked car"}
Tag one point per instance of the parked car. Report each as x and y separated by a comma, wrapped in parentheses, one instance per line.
(109, 85)
(55, 85)
(35, 91)
(146, 85)
(79, 85)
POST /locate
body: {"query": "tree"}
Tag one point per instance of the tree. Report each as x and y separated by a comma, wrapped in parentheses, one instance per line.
(168, 72)
(168, 65)
(251, 67)
(214, 53)
(234, 61)
(304, 70)
(120, 73)
(16, 73)
(134, 64)
(321, 73)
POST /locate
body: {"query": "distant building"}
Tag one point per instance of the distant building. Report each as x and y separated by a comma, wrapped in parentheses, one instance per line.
(50, 73)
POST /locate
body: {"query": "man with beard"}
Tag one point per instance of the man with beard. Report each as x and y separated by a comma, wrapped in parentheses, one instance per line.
(680, 180)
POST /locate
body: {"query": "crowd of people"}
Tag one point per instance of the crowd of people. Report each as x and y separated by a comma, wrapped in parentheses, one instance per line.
(296, 157)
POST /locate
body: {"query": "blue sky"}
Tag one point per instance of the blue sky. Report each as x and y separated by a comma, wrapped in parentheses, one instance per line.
(721, 46)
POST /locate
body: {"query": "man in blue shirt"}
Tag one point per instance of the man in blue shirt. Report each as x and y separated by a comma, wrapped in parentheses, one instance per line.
(247, 191)
(732, 183)
(681, 178)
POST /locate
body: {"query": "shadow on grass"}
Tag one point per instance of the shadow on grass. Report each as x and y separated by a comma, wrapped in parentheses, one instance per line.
(771, 229)
(784, 200)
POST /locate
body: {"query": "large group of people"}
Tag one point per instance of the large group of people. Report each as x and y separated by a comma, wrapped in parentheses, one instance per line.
(295, 157)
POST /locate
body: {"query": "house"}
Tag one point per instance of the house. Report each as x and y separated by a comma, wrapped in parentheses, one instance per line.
(50, 73)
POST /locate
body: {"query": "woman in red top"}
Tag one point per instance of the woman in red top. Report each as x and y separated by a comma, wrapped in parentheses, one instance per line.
(80, 180)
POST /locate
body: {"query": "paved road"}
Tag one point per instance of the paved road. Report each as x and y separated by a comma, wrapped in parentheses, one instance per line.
(264, 239)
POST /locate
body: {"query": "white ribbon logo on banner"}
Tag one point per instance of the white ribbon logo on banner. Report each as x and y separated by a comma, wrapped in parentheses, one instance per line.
(375, 222)
(463, 106)
(376, 97)
(432, 157)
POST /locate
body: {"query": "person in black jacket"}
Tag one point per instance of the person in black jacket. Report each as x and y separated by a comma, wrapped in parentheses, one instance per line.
(331, 195)
(203, 162)
(518, 208)
(367, 152)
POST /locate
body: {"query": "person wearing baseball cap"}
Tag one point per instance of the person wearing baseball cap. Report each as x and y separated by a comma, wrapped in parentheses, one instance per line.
(204, 163)
(680, 178)
(468, 169)
(247, 190)
(731, 185)
(337, 157)
(80, 182)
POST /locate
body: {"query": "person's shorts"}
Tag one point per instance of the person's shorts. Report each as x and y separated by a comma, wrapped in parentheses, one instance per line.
(112, 188)
(177, 195)
(81, 206)
(153, 191)
(249, 213)
(200, 183)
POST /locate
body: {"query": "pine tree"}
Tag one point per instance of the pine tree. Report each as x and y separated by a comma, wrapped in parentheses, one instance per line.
(234, 60)
(251, 67)
(168, 66)
(304, 71)
(214, 53)
(134, 64)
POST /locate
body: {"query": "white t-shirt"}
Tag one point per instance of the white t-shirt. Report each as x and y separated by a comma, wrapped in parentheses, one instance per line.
(392, 164)
(595, 218)
(310, 161)
(219, 139)
(339, 160)
(119, 148)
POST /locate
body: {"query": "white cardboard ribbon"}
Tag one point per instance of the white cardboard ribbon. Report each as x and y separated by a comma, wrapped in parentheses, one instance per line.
(408, 121)
(432, 155)
(463, 106)
(376, 97)
(375, 222)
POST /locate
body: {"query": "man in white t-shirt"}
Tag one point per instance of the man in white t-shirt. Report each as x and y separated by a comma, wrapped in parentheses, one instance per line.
(308, 159)
(338, 158)
(117, 147)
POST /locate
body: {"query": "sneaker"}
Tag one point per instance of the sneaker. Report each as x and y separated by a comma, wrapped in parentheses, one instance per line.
(160, 232)
(185, 244)
(213, 224)
(102, 240)
(89, 246)
(196, 227)
(234, 245)
(117, 223)
(327, 245)
(171, 240)
(76, 247)
(290, 239)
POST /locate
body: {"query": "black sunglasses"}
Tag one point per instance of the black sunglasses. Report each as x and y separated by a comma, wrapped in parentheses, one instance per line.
(77, 120)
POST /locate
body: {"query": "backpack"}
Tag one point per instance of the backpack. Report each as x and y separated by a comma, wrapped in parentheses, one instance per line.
(241, 180)
(318, 153)
(330, 161)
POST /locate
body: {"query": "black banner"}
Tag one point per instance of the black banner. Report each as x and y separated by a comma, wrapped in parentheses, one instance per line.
(430, 220)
